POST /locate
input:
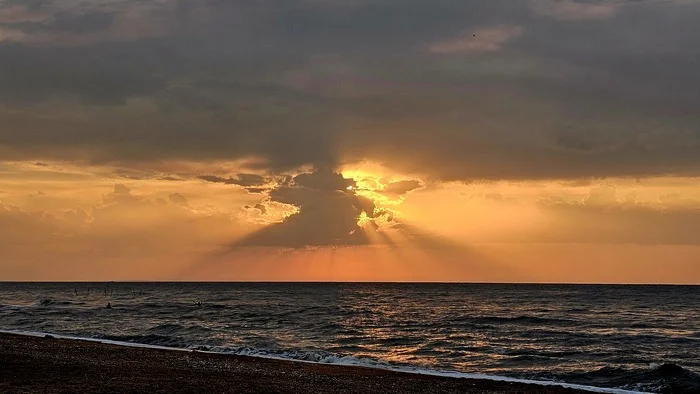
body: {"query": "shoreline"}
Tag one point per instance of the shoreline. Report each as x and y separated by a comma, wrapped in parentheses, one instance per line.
(32, 361)
(321, 282)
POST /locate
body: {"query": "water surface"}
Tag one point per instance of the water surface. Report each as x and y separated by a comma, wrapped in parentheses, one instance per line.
(633, 337)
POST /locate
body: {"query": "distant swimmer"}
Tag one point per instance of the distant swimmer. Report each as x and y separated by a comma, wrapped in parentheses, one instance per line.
(109, 305)
(198, 304)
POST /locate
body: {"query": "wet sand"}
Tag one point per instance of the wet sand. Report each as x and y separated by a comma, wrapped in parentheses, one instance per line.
(51, 365)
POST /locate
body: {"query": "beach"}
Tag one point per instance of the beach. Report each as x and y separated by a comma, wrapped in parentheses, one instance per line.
(53, 365)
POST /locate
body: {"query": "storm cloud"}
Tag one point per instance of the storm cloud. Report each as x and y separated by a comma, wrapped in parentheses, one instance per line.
(447, 90)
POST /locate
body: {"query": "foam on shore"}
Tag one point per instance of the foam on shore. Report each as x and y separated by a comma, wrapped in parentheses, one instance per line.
(347, 361)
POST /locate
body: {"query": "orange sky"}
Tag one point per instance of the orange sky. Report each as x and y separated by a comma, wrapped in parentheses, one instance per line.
(440, 140)
(67, 222)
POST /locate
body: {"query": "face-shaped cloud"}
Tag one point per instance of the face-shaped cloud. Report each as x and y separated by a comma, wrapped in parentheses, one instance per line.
(328, 213)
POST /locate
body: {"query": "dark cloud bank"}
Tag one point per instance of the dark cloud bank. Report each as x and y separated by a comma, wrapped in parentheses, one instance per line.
(546, 89)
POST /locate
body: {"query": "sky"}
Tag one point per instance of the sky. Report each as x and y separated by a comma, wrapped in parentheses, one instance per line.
(350, 140)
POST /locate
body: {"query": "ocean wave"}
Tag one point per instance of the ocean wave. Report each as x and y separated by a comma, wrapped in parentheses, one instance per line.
(523, 319)
(314, 356)
(52, 302)
(577, 310)
(659, 378)
(174, 329)
(148, 339)
(400, 341)
(12, 307)
(508, 330)
(540, 353)
(324, 357)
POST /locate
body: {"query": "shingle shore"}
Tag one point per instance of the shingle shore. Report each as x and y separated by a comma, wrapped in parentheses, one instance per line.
(50, 365)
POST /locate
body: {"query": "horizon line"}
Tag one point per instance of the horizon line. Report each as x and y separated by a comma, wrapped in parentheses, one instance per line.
(351, 282)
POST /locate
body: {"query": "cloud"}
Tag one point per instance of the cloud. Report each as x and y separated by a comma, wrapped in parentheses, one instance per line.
(483, 39)
(323, 180)
(92, 77)
(612, 213)
(245, 180)
(123, 224)
(621, 224)
(317, 85)
(80, 24)
(74, 24)
(573, 10)
(171, 178)
(253, 183)
(327, 214)
(20, 229)
(260, 207)
(178, 199)
(330, 212)
(121, 189)
(256, 190)
(601, 197)
(18, 13)
(604, 217)
(402, 187)
(77, 217)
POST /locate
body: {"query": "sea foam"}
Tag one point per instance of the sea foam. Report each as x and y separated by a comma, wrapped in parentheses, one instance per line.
(350, 361)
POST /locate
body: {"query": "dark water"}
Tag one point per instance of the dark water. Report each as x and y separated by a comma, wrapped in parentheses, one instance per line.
(643, 338)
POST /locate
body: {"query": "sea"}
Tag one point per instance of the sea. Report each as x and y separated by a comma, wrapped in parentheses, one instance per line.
(642, 338)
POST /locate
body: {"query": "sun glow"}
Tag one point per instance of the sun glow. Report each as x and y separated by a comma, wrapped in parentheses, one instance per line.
(182, 227)
(363, 220)
(375, 187)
